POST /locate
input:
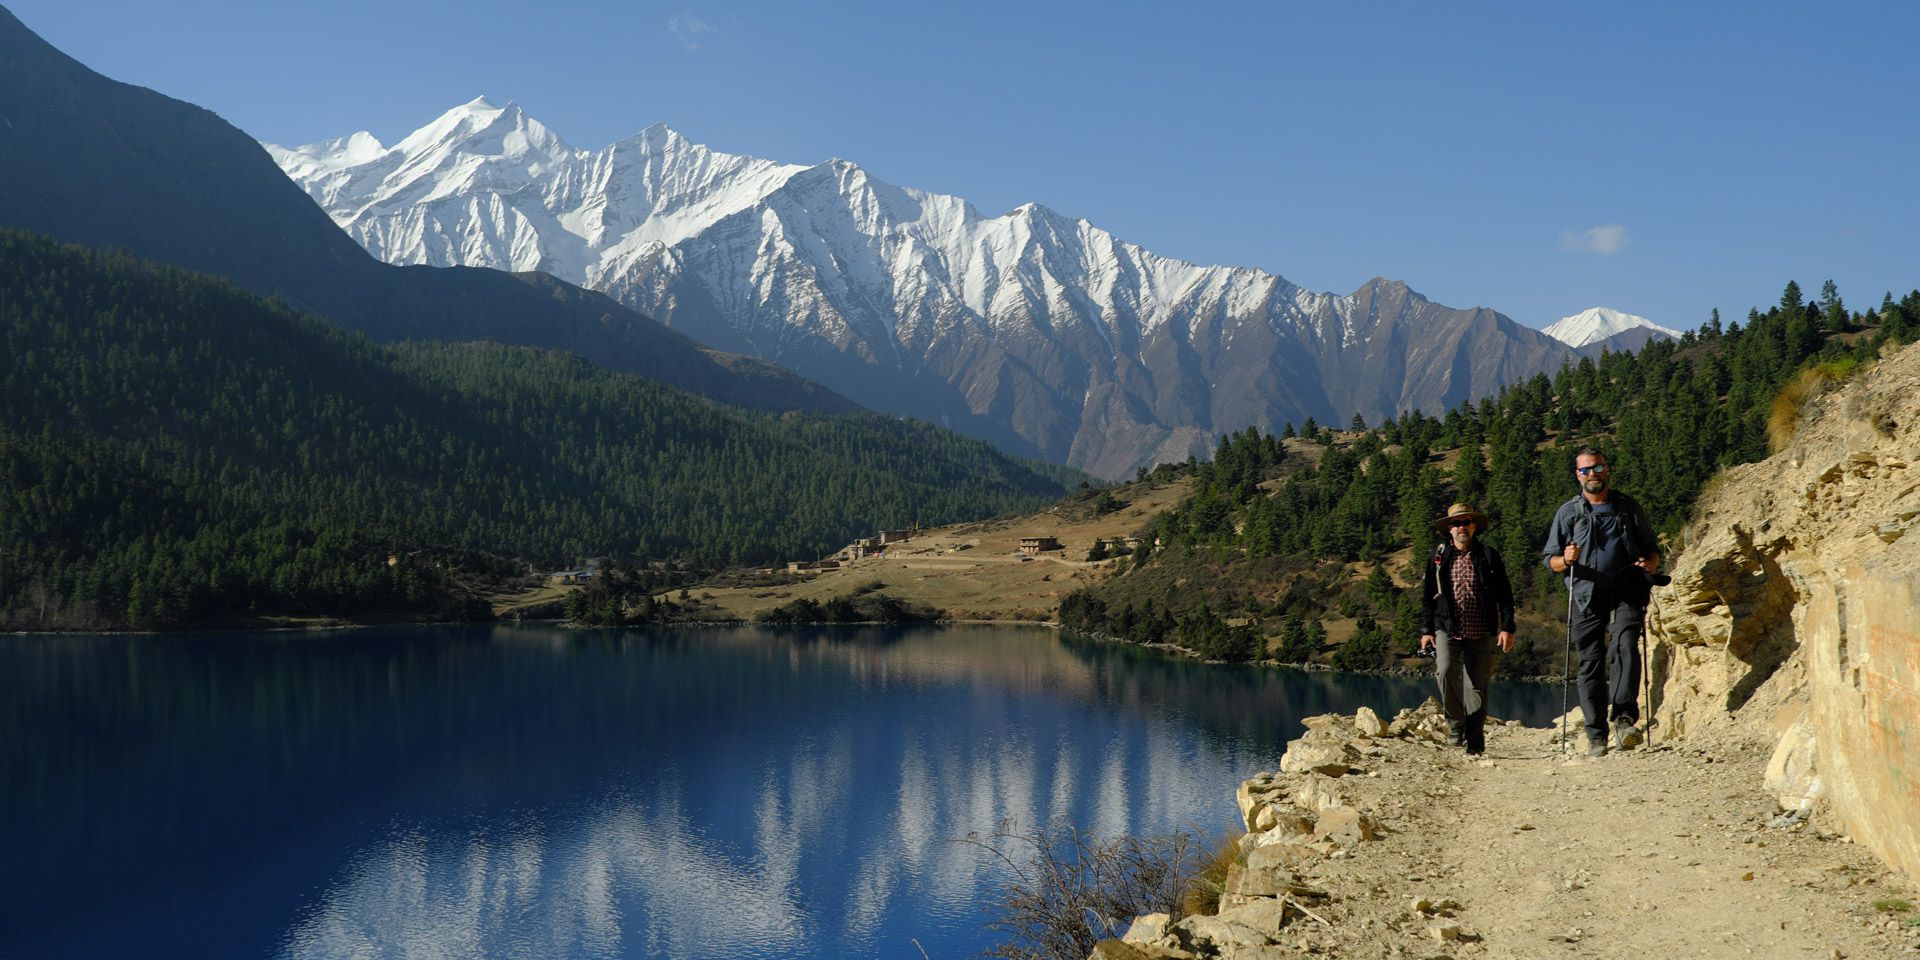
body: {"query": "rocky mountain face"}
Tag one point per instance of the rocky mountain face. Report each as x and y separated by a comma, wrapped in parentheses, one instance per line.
(101, 163)
(1791, 616)
(1037, 331)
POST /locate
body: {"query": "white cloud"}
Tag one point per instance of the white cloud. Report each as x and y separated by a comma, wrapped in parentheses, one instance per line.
(689, 28)
(1606, 238)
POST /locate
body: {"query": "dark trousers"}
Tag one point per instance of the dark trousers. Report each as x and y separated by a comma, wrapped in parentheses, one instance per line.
(1606, 638)
(1463, 667)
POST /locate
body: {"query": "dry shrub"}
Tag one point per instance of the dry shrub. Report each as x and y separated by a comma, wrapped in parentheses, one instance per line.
(1073, 888)
(1784, 421)
(1209, 880)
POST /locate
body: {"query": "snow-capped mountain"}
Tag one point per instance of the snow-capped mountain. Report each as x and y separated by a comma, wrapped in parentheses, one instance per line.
(1037, 331)
(1592, 326)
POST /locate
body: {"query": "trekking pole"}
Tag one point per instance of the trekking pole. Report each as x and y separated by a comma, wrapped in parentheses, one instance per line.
(1646, 684)
(1566, 666)
(1646, 671)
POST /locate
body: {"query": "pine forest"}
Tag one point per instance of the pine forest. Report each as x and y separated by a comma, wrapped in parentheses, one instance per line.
(176, 451)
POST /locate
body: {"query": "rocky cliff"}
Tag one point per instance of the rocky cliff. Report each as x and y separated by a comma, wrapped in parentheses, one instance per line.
(1790, 620)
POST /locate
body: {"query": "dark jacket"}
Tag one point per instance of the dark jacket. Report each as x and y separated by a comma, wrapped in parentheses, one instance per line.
(1572, 523)
(1436, 590)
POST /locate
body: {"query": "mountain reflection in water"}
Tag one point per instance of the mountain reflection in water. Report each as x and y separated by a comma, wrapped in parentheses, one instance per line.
(539, 792)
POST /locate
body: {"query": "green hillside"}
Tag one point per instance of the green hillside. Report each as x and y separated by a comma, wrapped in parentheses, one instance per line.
(174, 449)
(1276, 556)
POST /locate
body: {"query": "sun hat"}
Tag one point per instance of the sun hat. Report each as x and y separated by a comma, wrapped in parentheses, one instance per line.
(1458, 511)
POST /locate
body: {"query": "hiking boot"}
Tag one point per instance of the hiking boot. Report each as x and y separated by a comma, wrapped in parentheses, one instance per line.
(1454, 739)
(1624, 735)
(1596, 747)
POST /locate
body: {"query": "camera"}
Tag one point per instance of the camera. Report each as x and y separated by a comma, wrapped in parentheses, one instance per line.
(1640, 574)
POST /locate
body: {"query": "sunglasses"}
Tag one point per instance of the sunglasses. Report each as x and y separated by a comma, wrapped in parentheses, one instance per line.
(1596, 468)
(1461, 523)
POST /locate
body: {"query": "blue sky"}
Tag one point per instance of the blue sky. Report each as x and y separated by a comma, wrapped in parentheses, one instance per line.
(1536, 158)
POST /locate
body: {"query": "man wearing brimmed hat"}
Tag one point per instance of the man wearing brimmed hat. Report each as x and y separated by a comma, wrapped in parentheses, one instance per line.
(1466, 605)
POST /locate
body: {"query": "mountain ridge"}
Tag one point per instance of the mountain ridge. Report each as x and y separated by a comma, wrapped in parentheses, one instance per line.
(1035, 330)
(94, 161)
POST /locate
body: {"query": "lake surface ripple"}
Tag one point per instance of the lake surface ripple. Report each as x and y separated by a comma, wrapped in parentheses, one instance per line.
(537, 792)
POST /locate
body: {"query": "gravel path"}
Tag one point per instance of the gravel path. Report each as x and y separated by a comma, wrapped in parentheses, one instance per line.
(1647, 854)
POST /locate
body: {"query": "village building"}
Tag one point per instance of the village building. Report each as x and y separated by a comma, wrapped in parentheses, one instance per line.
(1033, 545)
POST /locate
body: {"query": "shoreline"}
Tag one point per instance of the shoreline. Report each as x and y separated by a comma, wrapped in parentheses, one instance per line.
(1168, 649)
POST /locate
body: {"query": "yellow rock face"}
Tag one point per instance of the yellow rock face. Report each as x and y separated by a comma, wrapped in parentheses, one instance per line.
(1791, 619)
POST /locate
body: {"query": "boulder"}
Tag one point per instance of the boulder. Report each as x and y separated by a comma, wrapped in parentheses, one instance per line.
(1287, 825)
(1267, 915)
(1344, 826)
(1292, 849)
(1122, 950)
(1270, 880)
(1263, 818)
(1425, 722)
(1252, 794)
(1317, 793)
(1369, 723)
(1147, 929)
(1793, 773)
(1332, 759)
(1218, 933)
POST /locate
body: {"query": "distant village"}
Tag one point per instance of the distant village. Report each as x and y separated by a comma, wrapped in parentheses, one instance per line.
(863, 548)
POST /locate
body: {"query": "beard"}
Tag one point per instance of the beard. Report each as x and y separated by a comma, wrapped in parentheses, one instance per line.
(1594, 486)
(1462, 538)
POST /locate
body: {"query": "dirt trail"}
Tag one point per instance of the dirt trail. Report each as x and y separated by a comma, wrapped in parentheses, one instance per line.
(1645, 854)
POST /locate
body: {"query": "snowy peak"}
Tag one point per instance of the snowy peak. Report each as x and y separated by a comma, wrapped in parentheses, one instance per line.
(1592, 326)
(318, 159)
(1033, 329)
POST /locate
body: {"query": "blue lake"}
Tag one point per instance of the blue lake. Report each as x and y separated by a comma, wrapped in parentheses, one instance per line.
(535, 792)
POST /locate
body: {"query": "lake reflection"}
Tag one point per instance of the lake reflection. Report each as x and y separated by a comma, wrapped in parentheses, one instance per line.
(538, 792)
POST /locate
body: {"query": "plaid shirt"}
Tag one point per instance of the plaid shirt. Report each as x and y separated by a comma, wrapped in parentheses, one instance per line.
(1469, 603)
(1449, 577)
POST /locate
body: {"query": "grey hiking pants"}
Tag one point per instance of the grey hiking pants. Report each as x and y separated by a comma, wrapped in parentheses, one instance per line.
(1606, 638)
(1463, 667)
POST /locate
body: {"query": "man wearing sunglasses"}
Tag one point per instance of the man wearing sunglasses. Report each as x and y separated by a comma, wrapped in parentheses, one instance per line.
(1604, 539)
(1466, 605)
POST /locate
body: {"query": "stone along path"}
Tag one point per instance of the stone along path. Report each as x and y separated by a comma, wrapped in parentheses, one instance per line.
(1649, 854)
